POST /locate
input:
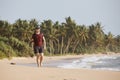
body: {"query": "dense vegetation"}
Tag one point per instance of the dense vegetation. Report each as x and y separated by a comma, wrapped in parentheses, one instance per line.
(62, 38)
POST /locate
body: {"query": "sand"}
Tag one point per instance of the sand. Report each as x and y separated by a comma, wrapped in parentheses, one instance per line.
(19, 71)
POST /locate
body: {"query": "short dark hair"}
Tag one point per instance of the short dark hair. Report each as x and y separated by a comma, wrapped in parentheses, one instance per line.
(37, 27)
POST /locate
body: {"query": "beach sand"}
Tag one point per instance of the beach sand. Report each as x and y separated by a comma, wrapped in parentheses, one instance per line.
(25, 69)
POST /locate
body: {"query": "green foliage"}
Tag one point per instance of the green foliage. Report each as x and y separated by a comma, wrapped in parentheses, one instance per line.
(21, 47)
(14, 47)
(6, 50)
(2, 55)
(61, 39)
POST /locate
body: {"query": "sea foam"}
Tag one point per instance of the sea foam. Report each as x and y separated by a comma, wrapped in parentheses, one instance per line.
(95, 62)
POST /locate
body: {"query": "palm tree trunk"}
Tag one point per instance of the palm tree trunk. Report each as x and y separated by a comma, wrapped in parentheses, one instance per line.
(58, 46)
(50, 46)
(74, 46)
(61, 49)
(68, 44)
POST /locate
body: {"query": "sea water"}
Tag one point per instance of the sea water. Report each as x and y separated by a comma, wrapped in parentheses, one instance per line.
(95, 62)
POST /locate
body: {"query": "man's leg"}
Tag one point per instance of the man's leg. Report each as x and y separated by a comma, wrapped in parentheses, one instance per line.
(37, 59)
(41, 58)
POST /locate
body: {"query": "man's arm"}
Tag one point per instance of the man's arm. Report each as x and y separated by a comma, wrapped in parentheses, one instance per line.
(44, 42)
(32, 43)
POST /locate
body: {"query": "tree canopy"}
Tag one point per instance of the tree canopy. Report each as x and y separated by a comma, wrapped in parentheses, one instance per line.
(62, 38)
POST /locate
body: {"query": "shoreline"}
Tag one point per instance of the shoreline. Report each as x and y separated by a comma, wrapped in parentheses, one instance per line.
(52, 61)
(28, 72)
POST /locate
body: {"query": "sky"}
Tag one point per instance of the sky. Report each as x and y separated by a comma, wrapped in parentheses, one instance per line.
(86, 12)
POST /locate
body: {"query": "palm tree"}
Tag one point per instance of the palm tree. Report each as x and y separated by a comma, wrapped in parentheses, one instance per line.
(83, 35)
(5, 28)
(96, 35)
(76, 39)
(117, 43)
(109, 41)
(57, 35)
(70, 26)
(62, 32)
(50, 34)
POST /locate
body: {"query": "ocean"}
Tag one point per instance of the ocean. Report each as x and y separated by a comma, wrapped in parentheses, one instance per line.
(107, 62)
(99, 63)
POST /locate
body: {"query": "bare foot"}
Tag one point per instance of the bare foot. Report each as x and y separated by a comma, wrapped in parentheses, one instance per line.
(38, 65)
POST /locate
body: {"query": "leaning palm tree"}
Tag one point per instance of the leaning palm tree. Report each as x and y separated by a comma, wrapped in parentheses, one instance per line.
(70, 26)
(76, 40)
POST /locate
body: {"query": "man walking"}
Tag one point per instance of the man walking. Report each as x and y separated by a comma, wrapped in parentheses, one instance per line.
(38, 43)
